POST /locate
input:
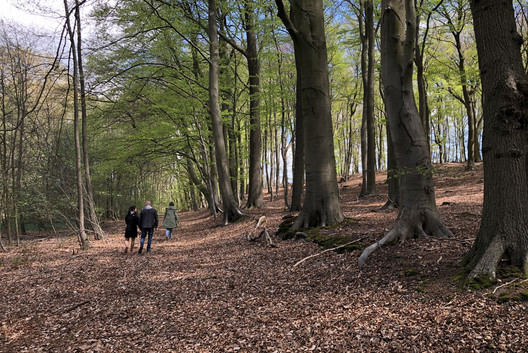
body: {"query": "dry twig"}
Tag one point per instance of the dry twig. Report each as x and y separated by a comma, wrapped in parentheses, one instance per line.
(327, 250)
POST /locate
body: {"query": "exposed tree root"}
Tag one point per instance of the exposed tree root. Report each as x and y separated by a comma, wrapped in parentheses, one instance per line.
(317, 219)
(487, 264)
(412, 223)
(231, 215)
(325, 251)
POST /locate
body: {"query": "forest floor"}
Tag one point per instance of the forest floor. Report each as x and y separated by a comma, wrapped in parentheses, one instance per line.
(211, 290)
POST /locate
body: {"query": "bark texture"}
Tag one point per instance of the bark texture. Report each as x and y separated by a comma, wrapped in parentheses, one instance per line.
(255, 199)
(503, 232)
(298, 155)
(418, 215)
(306, 26)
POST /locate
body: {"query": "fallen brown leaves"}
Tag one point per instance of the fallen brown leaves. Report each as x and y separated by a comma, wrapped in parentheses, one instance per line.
(210, 290)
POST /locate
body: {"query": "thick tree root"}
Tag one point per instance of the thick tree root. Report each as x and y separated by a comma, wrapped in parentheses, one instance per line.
(408, 225)
(487, 264)
(231, 215)
(391, 237)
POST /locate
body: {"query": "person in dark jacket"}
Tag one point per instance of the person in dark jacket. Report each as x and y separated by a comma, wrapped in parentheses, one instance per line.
(132, 222)
(170, 220)
(148, 222)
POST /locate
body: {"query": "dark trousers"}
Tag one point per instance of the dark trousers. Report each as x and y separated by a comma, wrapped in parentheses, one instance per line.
(144, 232)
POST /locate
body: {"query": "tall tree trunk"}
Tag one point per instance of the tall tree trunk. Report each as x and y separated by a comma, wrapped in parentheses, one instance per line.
(306, 26)
(364, 116)
(255, 145)
(369, 92)
(284, 138)
(231, 211)
(209, 175)
(242, 168)
(83, 239)
(418, 215)
(393, 181)
(478, 125)
(298, 154)
(4, 161)
(277, 159)
(368, 127)
(94, 222)
(503, 231)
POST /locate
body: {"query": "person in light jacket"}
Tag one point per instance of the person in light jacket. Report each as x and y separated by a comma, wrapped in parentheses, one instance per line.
(148, 222)
(170, 220)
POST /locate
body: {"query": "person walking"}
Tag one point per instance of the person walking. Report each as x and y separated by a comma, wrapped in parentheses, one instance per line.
(148, 222)
(131, 231)
(170, 220)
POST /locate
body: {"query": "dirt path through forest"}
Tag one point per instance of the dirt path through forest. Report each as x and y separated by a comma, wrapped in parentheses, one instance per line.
(210, 290)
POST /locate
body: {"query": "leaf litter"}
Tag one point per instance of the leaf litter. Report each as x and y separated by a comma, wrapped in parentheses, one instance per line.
(211, 290)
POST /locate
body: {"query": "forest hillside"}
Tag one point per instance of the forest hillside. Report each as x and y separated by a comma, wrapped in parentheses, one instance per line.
(211, 290)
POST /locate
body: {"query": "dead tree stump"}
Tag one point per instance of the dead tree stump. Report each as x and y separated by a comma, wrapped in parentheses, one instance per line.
(260, 232)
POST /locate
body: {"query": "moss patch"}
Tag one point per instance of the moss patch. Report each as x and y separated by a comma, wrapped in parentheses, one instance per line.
(481, 282)
(284, 228)
(421, 288)
(332, 241)
(410, 272)
(509, 272)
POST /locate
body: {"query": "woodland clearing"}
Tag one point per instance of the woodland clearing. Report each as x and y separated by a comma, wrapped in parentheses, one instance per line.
(211, 290)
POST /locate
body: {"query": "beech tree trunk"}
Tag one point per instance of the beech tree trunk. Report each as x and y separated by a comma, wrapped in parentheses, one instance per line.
(255, 199)
(418, 215)
(503, 231)
(231, 211)
(393, 198)
(306, 27)
(298, 153)
(369, 107)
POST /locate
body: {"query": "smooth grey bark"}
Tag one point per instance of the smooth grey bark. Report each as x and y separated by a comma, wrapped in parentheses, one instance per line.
(503, 233)
(418, 215)
(83, 239)
(298, 153)
(393, 198)
(231, 211)
(306, 27)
